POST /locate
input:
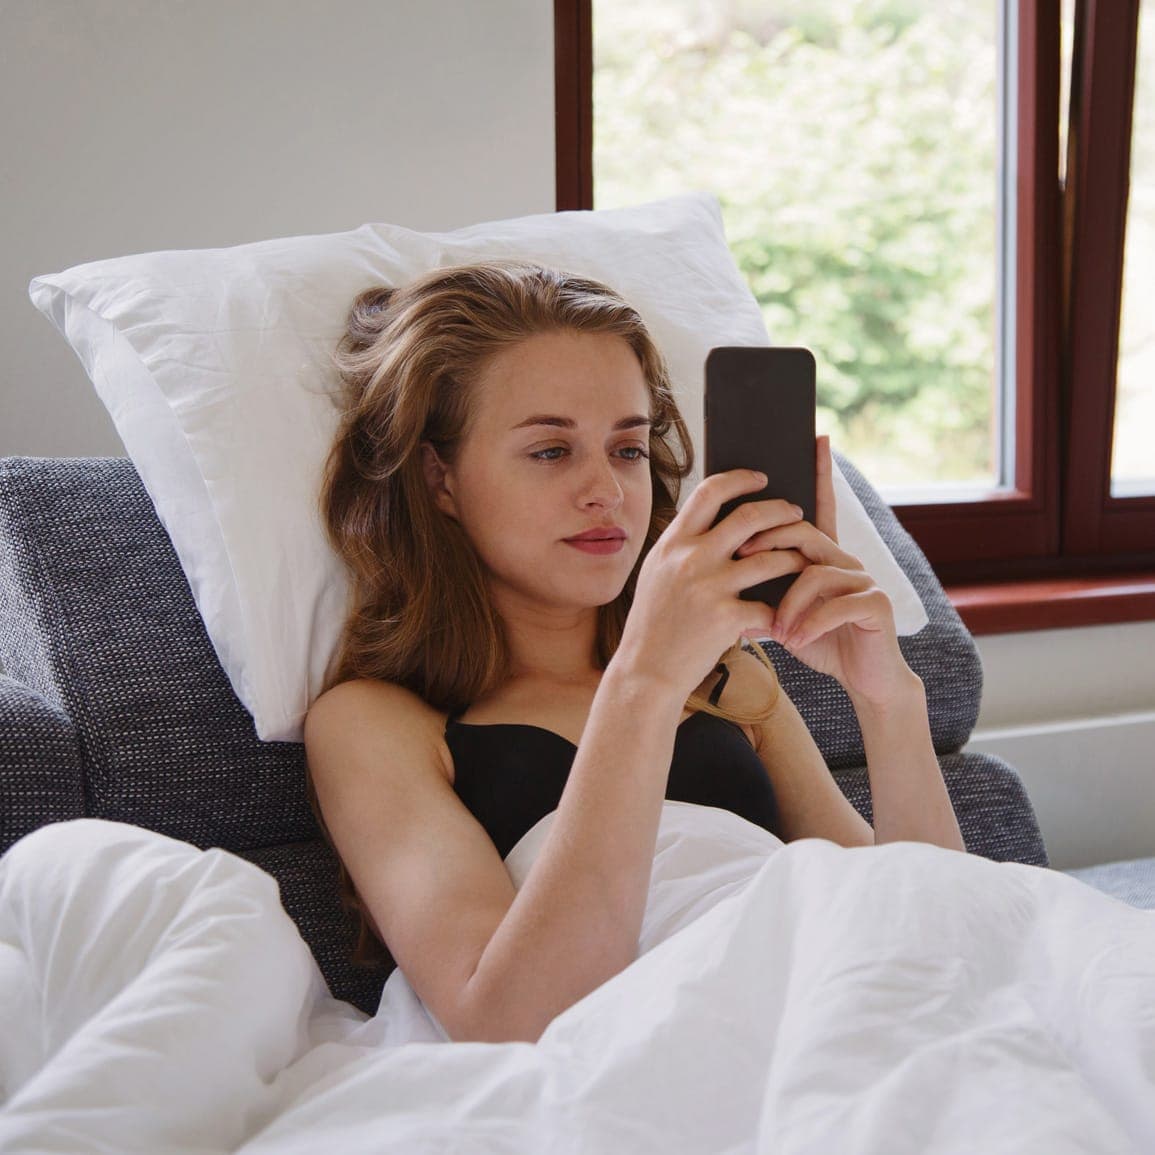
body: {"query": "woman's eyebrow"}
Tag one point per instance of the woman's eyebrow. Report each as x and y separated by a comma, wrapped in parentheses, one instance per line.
(569, 423)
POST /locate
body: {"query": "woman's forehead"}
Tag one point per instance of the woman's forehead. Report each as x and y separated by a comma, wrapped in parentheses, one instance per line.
(586, 378)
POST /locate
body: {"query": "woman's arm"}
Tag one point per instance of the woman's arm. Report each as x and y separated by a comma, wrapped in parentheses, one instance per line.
(810, 803)
(836, 619)
(908, 794)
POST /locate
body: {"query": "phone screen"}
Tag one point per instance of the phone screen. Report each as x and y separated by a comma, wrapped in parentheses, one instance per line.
(760, 414)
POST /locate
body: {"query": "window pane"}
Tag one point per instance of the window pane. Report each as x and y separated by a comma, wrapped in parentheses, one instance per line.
(855, 150)
(1133, 449)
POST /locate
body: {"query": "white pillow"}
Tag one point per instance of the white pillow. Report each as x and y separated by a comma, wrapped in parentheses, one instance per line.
(213, 366)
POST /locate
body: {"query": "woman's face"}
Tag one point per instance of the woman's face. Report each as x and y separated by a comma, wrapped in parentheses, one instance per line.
(522, 485)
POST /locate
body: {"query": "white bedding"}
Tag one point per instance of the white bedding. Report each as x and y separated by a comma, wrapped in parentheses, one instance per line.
(786, 998)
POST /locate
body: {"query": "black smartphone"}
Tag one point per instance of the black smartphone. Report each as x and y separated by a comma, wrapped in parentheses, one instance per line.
(760, 406)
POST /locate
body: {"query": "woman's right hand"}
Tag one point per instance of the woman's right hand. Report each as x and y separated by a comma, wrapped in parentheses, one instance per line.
(686, 609)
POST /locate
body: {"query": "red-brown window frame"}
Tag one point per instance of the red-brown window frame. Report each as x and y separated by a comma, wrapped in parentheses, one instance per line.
(1100, 156)
(1056, 549)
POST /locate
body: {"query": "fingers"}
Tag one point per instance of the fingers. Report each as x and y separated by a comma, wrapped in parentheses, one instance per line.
(865, 610)
(702, 506)
(825, 515)
(749, 519)
(806, 538)
(764, 565)
(824, 598)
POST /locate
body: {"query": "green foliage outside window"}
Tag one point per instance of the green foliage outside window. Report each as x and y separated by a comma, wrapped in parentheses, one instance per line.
(852, 145)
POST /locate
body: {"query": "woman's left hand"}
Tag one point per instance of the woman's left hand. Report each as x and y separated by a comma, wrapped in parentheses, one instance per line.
(835, 617)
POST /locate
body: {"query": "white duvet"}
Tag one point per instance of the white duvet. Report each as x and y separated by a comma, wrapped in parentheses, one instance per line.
(786, 998)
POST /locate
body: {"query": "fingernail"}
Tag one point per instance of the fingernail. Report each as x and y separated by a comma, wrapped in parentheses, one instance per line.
(798, 510)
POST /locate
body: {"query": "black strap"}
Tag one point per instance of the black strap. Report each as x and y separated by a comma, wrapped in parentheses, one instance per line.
(716, 693)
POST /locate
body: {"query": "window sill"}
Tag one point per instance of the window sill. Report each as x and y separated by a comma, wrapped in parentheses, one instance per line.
(1054, 603)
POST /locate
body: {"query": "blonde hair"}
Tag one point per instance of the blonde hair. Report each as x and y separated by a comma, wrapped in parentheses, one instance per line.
(420, 613)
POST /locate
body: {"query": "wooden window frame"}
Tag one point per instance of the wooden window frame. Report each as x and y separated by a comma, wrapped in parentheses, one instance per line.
(1100, 162)
(1055, 549)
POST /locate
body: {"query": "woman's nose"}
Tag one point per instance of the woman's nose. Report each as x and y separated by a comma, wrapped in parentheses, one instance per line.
(601, 484)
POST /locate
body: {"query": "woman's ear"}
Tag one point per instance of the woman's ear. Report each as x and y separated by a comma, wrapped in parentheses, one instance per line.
(437, 478)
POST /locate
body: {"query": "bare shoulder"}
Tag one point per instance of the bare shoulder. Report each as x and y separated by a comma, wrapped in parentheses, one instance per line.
(379, 710)
(390, 694)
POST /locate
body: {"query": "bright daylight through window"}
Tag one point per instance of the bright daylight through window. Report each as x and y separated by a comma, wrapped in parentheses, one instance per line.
(859, 154)
(1133, 448)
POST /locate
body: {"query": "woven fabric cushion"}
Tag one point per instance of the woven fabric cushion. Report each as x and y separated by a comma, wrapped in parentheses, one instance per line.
(40, 774)
(99, 621)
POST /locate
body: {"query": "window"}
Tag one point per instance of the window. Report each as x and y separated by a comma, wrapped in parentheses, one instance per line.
(860, 157)
(1009, 475)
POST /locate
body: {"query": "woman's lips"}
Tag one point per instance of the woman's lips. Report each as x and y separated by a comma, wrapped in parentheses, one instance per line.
(605, 545)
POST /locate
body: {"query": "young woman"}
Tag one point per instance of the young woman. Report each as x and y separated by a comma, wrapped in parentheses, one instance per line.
(536, 626)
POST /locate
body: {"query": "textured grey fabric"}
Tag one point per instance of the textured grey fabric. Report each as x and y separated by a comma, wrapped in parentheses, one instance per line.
(1131, 881)
(40, 779)
(98, 622)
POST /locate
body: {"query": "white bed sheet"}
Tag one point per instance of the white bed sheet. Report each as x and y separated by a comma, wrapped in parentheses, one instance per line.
(786, 998)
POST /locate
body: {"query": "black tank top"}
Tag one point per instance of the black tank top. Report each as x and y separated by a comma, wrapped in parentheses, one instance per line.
(511, 774)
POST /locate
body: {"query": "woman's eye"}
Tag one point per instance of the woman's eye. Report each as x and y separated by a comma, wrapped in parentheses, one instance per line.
(636, 451)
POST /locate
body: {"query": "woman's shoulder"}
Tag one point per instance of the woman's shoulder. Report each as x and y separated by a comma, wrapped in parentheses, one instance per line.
(374, 701)
(397, 696)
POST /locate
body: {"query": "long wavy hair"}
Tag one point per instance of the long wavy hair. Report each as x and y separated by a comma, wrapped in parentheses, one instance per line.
(420, 614)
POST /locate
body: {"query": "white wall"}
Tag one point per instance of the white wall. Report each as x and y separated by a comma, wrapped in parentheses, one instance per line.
(133, 125)
(1074, 712)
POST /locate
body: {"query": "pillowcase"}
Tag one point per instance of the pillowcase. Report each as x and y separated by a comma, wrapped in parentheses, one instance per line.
(213, 365)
